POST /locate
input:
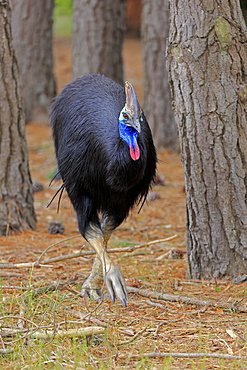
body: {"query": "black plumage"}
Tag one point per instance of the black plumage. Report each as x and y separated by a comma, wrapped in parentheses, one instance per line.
(104, 175)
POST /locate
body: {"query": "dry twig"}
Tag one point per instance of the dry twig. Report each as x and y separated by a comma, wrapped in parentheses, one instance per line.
(178, 298)
(52, 245)
(44, 263)
(47, 289)
(172, 311)
(189, 355)
(70, 333)
(6, 351)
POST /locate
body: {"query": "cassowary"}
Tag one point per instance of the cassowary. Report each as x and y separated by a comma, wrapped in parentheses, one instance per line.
(107, 161)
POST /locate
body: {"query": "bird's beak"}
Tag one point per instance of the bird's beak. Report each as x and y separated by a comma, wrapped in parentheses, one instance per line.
(136, 125)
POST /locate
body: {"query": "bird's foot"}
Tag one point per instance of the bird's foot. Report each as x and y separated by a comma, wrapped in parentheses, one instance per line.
(103, 267)
(92, 287)
(115, 284)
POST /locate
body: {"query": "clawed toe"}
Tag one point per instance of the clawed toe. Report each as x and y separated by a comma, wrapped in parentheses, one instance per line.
(123, 302)
(116, 285)
(94, 294)
(114, 282)
(92, 287)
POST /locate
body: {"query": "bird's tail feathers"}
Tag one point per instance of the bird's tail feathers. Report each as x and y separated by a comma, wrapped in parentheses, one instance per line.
(60, 190)
(142, 200)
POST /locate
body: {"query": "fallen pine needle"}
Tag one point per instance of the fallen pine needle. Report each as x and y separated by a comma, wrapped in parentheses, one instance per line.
(178, 298)
(134, 337)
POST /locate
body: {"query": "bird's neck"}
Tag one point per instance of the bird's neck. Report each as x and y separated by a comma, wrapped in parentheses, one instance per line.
(130, 136)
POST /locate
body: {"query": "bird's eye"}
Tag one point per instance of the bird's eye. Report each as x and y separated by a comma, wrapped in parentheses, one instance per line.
(125, 116)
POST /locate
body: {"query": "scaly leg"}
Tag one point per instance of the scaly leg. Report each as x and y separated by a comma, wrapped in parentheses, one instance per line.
(114, 281)
(92, 285)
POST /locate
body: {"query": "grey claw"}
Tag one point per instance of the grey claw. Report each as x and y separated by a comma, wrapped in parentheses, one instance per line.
(124, 302)
(94, 294)
(115, 285)
(97, 295)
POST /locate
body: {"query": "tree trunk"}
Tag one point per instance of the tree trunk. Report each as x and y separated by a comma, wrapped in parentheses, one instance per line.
(98, 32)
(208, 71)
(16, 199)
(32, 33)
(157, 97)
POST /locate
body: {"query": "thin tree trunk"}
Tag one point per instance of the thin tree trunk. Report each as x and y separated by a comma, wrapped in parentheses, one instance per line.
(98, 31)
(16, 199)
(32, 33)
(208, 71)
(157, 96)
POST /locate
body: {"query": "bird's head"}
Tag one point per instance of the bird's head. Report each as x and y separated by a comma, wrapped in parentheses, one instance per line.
(130, 119)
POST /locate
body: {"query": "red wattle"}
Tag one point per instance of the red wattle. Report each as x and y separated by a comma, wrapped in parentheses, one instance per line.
(135, 152)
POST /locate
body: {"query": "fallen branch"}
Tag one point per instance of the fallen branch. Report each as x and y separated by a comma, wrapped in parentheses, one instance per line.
(52, 245)
(47, 289)
(112, 250)
(189, 355)
(8, 287)
(70, 333)
(6, 351)
(44, 263)
(30, 332)
(181, 299)
(172, 311)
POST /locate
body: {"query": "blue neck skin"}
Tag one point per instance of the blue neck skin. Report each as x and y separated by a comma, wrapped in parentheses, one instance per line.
(128, 134)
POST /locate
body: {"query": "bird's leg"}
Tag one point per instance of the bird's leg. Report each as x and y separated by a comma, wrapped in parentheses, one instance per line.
(92, 285)
(113, 279)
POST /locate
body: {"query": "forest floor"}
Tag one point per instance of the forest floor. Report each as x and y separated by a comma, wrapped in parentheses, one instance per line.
(36, 301)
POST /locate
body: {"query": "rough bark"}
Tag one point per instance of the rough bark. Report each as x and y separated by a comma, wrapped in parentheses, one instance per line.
(208, 71)
(157, 96)
(16, 199)
(32, 33)
(98, 31)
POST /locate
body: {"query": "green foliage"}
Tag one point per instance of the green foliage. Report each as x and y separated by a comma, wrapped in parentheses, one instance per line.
(217, 289)
(63, 7)
(63, 18)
